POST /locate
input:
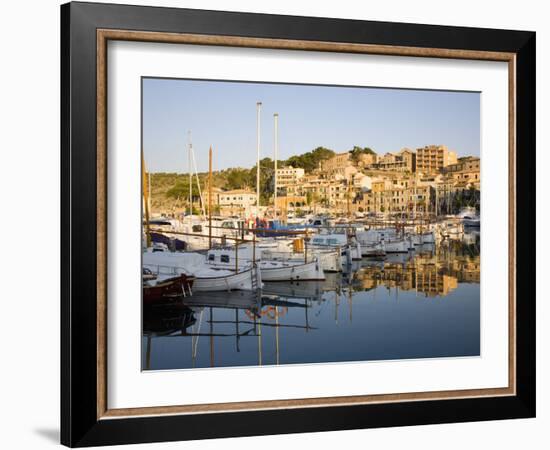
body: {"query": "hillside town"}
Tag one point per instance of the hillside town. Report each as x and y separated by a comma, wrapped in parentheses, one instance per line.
(429, 180)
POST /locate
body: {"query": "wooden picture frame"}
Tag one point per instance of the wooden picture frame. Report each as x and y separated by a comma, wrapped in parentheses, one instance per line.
(86, 418)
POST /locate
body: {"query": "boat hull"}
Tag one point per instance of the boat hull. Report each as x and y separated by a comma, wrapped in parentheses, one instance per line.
(376, 249)
(310, 271)
(243, 280)
(330, 261)
(166, 291)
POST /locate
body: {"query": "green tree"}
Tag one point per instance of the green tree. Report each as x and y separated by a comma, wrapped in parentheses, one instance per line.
(181, 190)
(310, 161)
(267, 179)
(356, 153)
(237, 178)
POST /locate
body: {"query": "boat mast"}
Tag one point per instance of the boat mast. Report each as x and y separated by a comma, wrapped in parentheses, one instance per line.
(436, 201)
(258, 113)
(150, 187)
(198, 181)
(348, 195)
(276, 145)
(190, 146)
(210, 198)
(145, 199)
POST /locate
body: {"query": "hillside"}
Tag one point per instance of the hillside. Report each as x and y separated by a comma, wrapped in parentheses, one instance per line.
(170, 191)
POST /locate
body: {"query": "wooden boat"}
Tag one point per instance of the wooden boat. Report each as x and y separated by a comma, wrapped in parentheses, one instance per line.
(166, 290)
(206, 276)
(270, 269)
(330, 259)
(373, 249)
(350, 249)
(291, 271)
(247, 280)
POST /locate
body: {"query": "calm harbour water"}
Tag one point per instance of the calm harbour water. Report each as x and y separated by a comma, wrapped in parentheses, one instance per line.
(424, 304)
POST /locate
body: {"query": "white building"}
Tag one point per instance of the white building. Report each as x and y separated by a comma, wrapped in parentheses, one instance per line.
(288, 176)
(238, 201)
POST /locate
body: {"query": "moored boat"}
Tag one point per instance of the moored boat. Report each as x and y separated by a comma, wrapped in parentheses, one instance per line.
(160, 290)
(207, 276)
(271, 269)
(290, 271)
(350, 249)
(373, 249)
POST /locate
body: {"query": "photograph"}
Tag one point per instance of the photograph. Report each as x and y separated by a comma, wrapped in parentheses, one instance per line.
(307, 224)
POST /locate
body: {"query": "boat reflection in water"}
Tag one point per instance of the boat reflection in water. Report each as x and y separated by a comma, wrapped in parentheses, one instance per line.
(424, 304)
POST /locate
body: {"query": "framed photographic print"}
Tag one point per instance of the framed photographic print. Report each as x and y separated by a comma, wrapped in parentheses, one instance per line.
(277, 224)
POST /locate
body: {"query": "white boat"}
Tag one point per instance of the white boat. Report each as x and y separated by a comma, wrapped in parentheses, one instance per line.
(392, 240)
(367, 237)
(373, 249)
(450, 229)
(289, 271)
(245, 280)
(349, 250)
(329, 259)
(469, 217)
(270, 269)
(207, 277)
(298, 220)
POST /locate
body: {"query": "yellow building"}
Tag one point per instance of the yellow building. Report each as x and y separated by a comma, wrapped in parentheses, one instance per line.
(367, 159)
(402, 161)
(336, 163)
(289, 203)
(332, 192)
(467, 170)
(340, 164)
(215, 196)
(397, 194)
(433, 158)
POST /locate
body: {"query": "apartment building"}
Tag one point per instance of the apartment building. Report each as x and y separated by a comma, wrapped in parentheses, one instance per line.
(402, 161)
(466, 170)
(433, 158)
(289, 175)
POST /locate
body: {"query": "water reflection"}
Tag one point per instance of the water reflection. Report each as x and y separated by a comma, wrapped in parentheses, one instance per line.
(418, 305)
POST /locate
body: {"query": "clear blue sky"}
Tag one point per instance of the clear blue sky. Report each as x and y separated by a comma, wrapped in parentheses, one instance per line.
(223, 114)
